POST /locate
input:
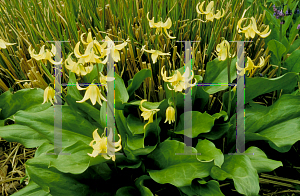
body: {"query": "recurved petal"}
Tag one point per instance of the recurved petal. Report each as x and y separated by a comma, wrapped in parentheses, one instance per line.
(86, 96)
(79, 88)
(240, 23)
(165, 30)
(167, 24)
(201, 8)
(121, 46)
(210, 7)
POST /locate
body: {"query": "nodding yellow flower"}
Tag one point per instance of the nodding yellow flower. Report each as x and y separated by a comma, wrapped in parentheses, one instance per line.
(89, 38)
(250, 67)
(178, 80)
(92, 92)
(105, 145)
(155, 53)
(49, 94)
(251, 29)
(209, 11)
(44, 55)
(77, 67)
(170, 115)
(114, 49)
(3, 44)
(147, 114)
(160, 26)
(223, 50)
(93, 50)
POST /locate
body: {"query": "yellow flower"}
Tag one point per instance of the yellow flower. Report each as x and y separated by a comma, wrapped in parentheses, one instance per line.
(89, 38)
(92, 92)
(170, 115)
(178, 80)
(160, 26)
(77, 67)
(209, 11)
(44, 55)
(223, 50)
(49, 94)
(147, 114)
(3, 44)
(105, 145)
(251, 29)
(93, 50)
(250, 67)
(155, 53)
(114, 49)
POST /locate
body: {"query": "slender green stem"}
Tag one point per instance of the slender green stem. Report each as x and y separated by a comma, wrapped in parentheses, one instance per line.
(229, 80)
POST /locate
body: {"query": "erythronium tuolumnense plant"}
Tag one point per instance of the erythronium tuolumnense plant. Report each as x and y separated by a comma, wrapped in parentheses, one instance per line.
(44, 54)
(152, 151)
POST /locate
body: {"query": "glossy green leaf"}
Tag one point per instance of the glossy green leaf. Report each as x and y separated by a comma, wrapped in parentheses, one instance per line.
(293, 62)
(259, 86)
(260, 161)
(26, 99)
(216, 73)
(121, 94)
(178, 170)
(51, 180)
(201, 123)
(139, 184)
(135, 125)
(277, 48)
(203, 188)
(209, 152)
(278, 124)
(137, 80)
(32, 189)
(240, 170)
(127, 191)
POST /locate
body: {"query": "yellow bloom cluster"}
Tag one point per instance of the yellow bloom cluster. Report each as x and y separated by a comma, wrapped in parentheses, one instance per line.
(210, 16)
(178, 80)
(44, 54)
(147, 114)
(250, 67)
(160, 26)
(105, 145)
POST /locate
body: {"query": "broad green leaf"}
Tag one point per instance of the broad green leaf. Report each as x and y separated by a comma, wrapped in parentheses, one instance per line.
(137, 80)
(51, 180)
(136, 143)
(292, 63)
(294, 46)
(278, 124)
(240, 170)
(25, 135)
(139, 184)
(259, 86)
(277, 48)
(202, 188)
(217, 131)
(260, 161)
(127, 191)
(178, 170)
(32, 189)
(201, 123)
(216, 73)
(26, 99)
(209, 152)
(135, 125)
(121, 94)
